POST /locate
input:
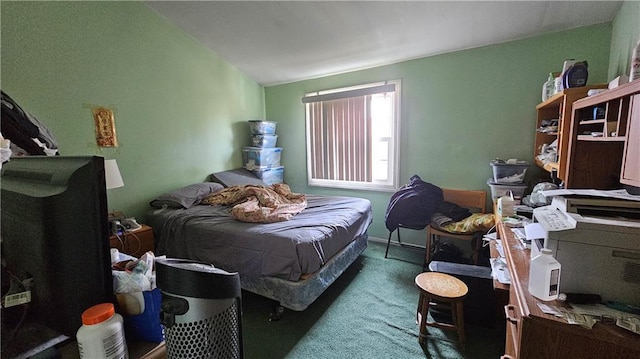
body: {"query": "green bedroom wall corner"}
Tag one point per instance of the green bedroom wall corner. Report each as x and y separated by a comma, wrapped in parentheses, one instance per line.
(625, 35)
(179, 107)
(459, 110)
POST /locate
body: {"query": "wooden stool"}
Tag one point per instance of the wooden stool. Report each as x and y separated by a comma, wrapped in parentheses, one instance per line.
(445, 290)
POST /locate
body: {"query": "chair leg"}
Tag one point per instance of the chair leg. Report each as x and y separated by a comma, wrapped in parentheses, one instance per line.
(427, 254)
(388, 243)
(475, 254)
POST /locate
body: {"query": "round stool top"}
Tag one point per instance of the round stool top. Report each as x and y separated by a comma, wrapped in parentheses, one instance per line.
(441, 284)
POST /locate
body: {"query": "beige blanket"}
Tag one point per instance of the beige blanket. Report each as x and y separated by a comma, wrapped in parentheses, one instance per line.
(260, 204)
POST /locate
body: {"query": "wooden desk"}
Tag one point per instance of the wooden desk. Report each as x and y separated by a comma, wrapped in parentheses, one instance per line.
(531, 334)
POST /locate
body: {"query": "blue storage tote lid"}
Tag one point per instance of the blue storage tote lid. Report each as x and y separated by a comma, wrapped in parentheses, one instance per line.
(262, 127)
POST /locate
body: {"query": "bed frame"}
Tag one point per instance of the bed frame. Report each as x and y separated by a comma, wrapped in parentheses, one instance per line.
(299, 295)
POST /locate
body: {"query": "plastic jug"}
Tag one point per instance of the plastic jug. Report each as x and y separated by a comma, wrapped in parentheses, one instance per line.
(544, 276)
(101, 335)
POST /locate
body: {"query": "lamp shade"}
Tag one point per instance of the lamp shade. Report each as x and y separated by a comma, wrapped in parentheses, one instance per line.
(112, 175)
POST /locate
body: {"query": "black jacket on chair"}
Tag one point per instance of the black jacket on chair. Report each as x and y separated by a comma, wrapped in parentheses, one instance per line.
(413, 205)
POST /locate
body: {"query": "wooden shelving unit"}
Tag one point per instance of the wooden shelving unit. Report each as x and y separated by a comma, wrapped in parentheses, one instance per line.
(557, 107)
(604, 152)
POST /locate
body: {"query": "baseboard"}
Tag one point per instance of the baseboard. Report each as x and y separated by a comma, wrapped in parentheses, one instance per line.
(395, 243)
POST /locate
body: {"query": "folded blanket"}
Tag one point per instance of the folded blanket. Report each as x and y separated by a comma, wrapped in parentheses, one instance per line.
(259, 204)
(476, 222)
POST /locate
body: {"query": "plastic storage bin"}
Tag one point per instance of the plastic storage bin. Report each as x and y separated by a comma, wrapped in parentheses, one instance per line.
(265, 141)
(259, 158)
(258, 127)
(509, 173)
(270, 175)
(500, 189)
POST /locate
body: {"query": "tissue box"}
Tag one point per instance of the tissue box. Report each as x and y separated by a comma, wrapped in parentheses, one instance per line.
(620, 80)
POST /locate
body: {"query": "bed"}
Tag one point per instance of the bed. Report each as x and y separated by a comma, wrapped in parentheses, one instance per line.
(291, 262)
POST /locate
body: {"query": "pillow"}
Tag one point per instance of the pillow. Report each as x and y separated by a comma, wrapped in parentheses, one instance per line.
(186, 197)
(237, 177)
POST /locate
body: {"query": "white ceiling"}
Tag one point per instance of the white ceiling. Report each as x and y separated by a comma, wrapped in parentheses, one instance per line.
(277, 42)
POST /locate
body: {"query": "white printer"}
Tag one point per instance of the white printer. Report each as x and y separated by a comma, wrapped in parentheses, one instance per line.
(597, 242)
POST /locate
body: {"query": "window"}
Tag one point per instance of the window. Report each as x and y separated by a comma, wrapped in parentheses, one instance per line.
(352, 136)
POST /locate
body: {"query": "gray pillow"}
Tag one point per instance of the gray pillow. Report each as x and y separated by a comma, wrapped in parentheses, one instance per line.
(186, 197)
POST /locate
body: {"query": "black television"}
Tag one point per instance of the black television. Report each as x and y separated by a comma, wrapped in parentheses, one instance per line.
(54, 227)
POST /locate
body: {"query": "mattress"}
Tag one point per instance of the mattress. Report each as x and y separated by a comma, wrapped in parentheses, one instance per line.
(284, 250)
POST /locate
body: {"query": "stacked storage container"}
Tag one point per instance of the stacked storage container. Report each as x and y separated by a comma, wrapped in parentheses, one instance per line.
(508, 176)
(263, 157)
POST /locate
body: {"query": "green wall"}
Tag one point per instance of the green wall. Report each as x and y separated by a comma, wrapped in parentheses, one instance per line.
(625, 35)
(459, 110)
(180, 110)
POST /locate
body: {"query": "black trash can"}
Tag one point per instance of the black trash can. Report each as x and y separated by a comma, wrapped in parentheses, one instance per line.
(480, 304)
(201, 310)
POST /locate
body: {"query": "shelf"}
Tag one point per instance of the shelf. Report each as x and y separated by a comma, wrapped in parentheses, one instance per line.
(592, 122)
(558, 107)
(550, 166)
(606, 96)
(601, 139)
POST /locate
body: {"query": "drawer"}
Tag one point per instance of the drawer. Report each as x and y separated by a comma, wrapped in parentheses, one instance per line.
(512, 335)
(513, 317)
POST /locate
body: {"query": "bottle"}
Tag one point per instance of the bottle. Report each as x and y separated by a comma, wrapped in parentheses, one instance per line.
(634, 74)
(547, 88)
(101, 335)
(544, 276)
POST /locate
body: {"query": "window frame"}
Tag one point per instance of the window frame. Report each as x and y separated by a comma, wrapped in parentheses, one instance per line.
(390, 185)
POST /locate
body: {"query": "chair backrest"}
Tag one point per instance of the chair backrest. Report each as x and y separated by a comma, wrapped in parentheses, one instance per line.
(474, 200)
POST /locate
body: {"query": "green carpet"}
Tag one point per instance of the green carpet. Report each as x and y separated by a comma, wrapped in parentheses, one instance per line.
(369, 312)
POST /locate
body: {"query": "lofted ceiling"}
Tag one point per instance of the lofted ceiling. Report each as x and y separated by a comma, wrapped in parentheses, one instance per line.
(276, 42)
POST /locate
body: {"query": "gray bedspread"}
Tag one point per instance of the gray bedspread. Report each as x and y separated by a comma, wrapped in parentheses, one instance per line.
(285, 250)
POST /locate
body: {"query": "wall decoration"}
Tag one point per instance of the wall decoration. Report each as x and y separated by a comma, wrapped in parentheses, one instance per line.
(105, 127)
